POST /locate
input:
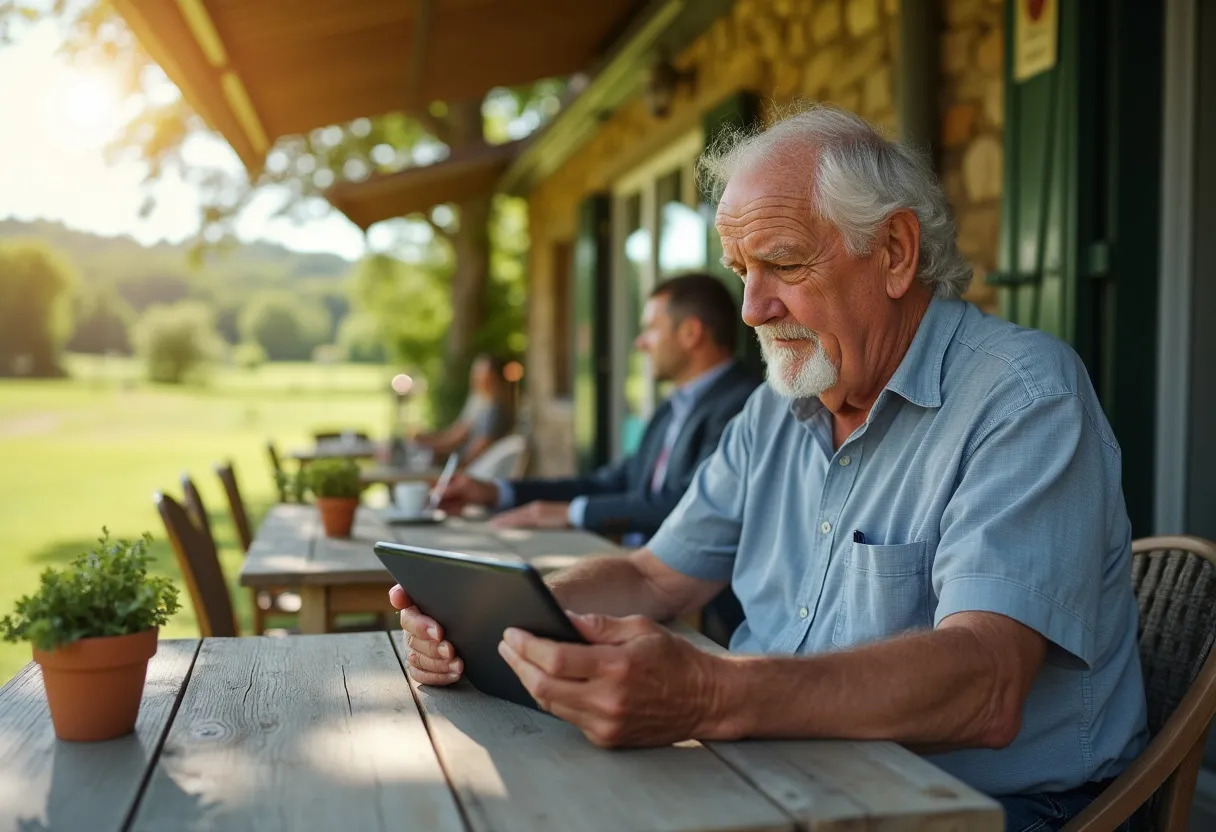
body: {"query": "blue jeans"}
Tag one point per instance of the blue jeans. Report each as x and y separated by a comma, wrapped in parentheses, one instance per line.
(1045, 812)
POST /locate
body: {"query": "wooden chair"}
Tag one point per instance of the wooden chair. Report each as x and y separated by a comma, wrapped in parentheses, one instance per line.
(200, 566)
(279, 599)
(193, 503)
(276, 471)
(236, 506)
(507, 457)
(1175, 585)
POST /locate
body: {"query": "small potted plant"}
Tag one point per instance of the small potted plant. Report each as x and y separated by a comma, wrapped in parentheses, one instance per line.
(93, 627)
(335, 485)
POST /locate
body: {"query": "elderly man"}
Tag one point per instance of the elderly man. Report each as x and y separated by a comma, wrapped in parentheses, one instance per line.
(920, 512)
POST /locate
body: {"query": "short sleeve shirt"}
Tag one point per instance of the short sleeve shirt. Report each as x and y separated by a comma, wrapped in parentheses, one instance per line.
(985, 478)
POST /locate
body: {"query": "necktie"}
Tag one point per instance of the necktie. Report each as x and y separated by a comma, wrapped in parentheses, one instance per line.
(660, 470)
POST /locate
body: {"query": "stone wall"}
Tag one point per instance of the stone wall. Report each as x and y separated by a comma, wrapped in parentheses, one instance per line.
(972, 124)
(841, 51)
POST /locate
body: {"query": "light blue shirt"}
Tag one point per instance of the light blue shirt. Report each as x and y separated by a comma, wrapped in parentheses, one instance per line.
(985, 478)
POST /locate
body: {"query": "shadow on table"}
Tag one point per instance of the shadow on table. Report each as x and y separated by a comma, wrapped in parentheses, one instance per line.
(78, 774)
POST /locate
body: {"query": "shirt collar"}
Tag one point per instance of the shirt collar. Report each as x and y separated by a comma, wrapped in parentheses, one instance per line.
(688, 392)
(918, 378)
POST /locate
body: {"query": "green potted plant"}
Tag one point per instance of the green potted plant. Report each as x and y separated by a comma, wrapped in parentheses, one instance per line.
(93, 627)
(335, 485)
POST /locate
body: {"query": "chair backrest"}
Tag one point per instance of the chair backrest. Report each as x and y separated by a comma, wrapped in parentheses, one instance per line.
(276, 470)
(236, 506)
(1174, 579)
(200, 567)
(506, 457)
(197, 512)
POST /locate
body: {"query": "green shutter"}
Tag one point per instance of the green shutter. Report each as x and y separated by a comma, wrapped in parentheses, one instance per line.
(1078, 255)
(592, 332)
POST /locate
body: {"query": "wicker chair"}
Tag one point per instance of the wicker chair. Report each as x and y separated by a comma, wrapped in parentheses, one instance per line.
(1175, 584)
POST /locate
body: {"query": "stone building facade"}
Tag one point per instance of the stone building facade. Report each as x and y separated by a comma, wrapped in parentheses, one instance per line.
(786, 51)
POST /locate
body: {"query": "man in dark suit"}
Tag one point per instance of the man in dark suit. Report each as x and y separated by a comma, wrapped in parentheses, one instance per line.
(688, 330)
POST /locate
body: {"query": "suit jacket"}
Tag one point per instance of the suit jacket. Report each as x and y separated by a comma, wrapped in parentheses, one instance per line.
(619, 499)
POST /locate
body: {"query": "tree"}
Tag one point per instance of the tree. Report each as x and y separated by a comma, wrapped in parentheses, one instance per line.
(409, 309)
(177, 340)
(103, 321)
(286, 326)
(302, 167)
(35, 307)
(144, 290)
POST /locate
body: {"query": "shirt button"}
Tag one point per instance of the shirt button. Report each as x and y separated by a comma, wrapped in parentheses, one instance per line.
(844, 460)
(825, 527)
(803, 612)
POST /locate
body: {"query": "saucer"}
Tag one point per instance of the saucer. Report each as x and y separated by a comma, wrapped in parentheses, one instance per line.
(397, 517)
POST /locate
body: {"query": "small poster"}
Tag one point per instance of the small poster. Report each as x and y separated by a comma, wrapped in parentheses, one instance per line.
(1035, 37)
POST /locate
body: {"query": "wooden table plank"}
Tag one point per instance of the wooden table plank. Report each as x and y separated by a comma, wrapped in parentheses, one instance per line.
(52, 785)
(843, 785)
(290, 549)
(513, 768)
(335, 449)
(304, 733)
(392, 474)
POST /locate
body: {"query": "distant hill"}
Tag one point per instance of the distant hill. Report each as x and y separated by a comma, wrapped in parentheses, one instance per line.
(102, 259)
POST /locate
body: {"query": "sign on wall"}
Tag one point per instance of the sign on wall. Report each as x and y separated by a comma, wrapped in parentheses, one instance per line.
(1035, 37)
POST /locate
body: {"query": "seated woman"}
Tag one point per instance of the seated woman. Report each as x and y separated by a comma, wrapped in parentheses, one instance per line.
(487, 415)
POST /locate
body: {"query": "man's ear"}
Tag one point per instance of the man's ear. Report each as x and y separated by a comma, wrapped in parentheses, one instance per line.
(689, 332)
(902, 247)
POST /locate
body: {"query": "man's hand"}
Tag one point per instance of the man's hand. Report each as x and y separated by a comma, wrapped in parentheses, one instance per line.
(636, 684)
(463, 491)
(432, 660)
(539, 514)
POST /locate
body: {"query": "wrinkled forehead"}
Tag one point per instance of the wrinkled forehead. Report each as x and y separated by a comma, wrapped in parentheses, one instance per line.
(768, 206)
(781, 181)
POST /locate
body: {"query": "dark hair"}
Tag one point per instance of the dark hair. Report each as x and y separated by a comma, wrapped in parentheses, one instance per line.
(706, 298)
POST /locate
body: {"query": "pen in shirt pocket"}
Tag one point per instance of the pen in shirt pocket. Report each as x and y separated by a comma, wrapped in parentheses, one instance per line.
(858, 537)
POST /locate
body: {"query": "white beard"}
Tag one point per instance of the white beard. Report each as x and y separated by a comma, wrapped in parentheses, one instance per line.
(796, 373)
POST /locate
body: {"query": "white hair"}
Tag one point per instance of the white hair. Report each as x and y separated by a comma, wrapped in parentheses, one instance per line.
(859, 180)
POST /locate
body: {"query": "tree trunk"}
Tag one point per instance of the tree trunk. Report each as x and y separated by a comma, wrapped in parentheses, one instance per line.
(471, 249)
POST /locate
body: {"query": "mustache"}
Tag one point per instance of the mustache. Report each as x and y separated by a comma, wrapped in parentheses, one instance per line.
(786, 332)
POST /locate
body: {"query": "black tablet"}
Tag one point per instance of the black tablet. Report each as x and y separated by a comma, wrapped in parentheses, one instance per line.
(475, 598)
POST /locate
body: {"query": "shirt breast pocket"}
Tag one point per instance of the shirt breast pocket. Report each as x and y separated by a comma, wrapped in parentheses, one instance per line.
(885, 591)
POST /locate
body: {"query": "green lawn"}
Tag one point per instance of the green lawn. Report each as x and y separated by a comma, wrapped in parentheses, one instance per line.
(89, 451)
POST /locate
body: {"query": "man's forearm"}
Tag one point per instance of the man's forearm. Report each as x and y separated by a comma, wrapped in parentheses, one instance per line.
(935, 690)
(610, 585)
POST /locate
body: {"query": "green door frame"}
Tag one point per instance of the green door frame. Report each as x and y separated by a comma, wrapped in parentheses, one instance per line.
(1079, 228)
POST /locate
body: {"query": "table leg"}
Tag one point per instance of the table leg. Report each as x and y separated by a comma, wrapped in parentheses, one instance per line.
(314, 610)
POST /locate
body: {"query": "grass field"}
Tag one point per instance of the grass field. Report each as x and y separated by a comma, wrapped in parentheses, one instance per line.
(80, 453)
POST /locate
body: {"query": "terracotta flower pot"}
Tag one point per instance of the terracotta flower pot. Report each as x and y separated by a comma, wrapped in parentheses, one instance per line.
(94, 685)
(337, 514)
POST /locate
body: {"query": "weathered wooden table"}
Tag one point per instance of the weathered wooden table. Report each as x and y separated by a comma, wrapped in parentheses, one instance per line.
(344, 576)
(390, 475)
(326, 733)
(336, 449)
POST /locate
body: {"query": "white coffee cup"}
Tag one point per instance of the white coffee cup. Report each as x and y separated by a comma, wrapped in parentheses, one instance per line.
(411, 498)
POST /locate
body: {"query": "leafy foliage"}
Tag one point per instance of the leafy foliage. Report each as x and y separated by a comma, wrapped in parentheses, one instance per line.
(103, 322)
(286, 325)
(35, 307)
(248, 356)
(105, 592)
(334, 478)
(176, 341)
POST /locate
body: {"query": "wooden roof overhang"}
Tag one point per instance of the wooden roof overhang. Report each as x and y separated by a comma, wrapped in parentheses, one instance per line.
(257, 70)
(467, 172)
